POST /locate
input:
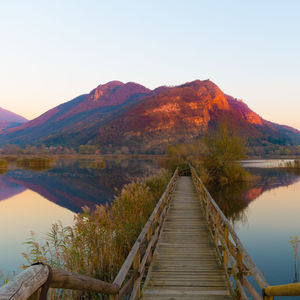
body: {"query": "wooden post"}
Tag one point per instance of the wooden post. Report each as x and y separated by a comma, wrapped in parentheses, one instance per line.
(207, 211)
(136, 266)
(155, 220)
(216, 228)
(240, 263)
(211, 218)
(225, 251)
(149, 237)
(239, 260)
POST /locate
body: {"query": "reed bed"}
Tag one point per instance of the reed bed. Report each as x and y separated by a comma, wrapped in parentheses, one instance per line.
(3, 164)
(35, 163)
(100, 239)
(295, 164)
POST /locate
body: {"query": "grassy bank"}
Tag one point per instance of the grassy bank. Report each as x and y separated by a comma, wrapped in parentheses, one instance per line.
(100, 239)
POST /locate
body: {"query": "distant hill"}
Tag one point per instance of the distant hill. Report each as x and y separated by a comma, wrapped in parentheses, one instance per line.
(9, 119)
(185, 112)
(129, 115)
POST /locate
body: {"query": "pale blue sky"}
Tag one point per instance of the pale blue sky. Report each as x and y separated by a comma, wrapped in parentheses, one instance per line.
(52, 51)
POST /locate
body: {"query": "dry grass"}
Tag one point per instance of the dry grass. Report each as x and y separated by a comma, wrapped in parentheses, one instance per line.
(292, 164)
(3, 164)
(35, 163)
(99, 241)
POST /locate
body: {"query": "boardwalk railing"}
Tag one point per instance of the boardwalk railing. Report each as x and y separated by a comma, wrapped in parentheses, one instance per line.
(35, 280)
(237, 262)
(140, 255)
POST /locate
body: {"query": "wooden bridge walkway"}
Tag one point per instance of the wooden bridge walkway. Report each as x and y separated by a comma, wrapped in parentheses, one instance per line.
(185, 264)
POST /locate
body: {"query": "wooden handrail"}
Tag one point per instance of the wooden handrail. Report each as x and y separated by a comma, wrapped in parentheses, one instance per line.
(233, 251)
(30, 280)
(257, 274)
(292, 289)
(149, 236)
(72, 281)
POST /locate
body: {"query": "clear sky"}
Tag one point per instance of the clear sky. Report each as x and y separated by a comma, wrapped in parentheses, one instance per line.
(53, 51)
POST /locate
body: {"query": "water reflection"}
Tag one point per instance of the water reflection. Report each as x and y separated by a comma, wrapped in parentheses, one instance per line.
(234, 199)
(76, 183)
(20, 214)
(9, 189)
(32, 200)
(265, 215)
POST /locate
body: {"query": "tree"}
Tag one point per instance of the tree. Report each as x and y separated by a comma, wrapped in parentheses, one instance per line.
(224, 151)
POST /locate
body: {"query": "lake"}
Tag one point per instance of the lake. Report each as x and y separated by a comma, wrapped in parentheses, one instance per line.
(265, 214)
(32, 200)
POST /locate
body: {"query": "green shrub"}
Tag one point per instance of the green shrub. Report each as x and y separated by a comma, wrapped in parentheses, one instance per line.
(222, 158)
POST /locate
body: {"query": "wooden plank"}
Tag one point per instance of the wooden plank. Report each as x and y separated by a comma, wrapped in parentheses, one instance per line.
(183, 292)
(186, 263)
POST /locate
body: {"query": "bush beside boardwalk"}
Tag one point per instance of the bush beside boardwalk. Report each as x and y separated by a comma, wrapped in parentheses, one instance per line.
(100, 239)
(216, 158)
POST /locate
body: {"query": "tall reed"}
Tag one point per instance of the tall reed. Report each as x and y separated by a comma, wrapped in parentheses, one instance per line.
(295, 164)
(100, 239)
(3, 164)
(35, 163)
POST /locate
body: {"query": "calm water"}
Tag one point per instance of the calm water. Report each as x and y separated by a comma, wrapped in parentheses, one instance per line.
(265, 214)
(33, 200)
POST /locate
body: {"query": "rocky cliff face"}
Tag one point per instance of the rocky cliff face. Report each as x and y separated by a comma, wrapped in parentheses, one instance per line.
(117, 114)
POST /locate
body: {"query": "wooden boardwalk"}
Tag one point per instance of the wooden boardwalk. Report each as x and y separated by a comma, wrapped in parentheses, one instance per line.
(185, 263)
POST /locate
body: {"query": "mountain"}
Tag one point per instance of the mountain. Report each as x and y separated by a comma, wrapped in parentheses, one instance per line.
(9, 119)
(78, 120)
(119, 114)
(8, 116)
(185, 112)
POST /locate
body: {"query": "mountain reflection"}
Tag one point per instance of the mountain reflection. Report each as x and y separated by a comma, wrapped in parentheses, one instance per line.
(75, 183)
(9, 189)
(234, 199)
